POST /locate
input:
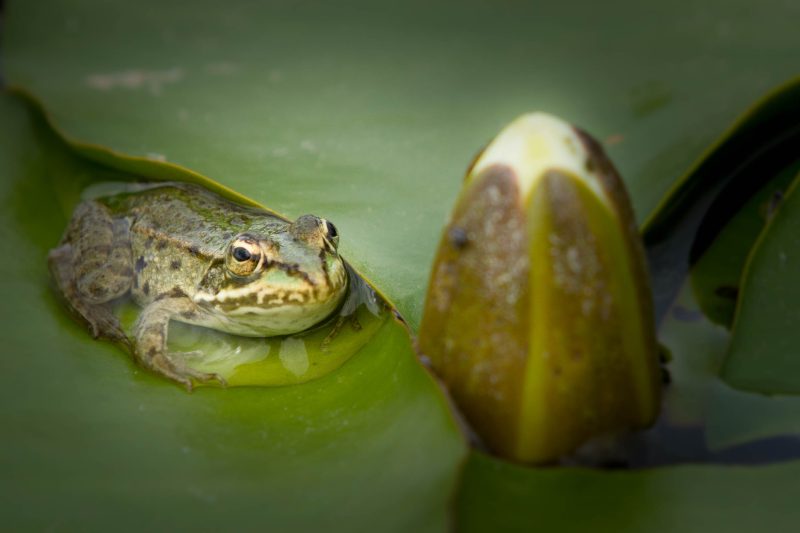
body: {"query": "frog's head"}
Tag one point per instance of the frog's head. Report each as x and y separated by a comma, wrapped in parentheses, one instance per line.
(279, 282)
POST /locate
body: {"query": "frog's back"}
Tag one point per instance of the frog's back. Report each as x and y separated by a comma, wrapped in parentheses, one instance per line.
(177, 231)
(180, 215)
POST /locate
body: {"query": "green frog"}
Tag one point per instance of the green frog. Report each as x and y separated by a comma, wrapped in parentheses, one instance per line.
(184, 253)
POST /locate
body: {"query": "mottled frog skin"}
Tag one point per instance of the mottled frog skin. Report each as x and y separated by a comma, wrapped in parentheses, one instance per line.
(184, 253)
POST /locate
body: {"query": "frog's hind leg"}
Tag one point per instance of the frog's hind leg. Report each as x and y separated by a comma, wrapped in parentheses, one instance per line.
(93, 266)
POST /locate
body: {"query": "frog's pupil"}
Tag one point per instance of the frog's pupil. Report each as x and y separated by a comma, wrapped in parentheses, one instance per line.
(331, 229)
(241, 254)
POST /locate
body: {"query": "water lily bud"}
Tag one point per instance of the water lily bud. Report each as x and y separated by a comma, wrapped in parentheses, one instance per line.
(539, 315)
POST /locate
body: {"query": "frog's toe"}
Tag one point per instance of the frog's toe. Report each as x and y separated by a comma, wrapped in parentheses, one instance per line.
(182, 373)
(207, 377)
(103, 324)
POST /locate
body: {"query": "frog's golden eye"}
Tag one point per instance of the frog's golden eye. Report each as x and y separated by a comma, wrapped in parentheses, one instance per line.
(244, 256)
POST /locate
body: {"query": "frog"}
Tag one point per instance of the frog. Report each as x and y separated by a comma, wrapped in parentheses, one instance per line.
(184, 253)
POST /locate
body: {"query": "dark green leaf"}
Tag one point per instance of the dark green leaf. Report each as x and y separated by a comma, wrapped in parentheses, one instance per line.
(765, 348)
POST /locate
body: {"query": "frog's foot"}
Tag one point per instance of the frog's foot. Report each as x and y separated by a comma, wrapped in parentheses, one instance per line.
(104, 325)
(337, 327)
(175, 368)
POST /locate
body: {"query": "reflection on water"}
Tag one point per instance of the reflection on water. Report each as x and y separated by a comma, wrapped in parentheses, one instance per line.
(283, 360)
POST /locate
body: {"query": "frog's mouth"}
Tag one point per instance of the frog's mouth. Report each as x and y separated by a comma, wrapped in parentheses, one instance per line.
(276, 304)
(260, 321)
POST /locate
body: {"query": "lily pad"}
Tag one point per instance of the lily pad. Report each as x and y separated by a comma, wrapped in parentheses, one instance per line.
(764, 354)
(93, 442)
(498, 496)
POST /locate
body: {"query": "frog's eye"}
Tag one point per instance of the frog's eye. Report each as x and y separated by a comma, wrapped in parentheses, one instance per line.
(331, 233)
(244, 256)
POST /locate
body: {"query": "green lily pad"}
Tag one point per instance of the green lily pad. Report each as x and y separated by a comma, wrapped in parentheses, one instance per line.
(765, 351)
(92, 442)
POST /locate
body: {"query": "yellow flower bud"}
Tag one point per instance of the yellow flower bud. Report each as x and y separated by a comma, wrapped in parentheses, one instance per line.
(538, 315)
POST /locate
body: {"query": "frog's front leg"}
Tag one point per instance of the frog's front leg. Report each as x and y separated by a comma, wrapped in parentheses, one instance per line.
(150, 347)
